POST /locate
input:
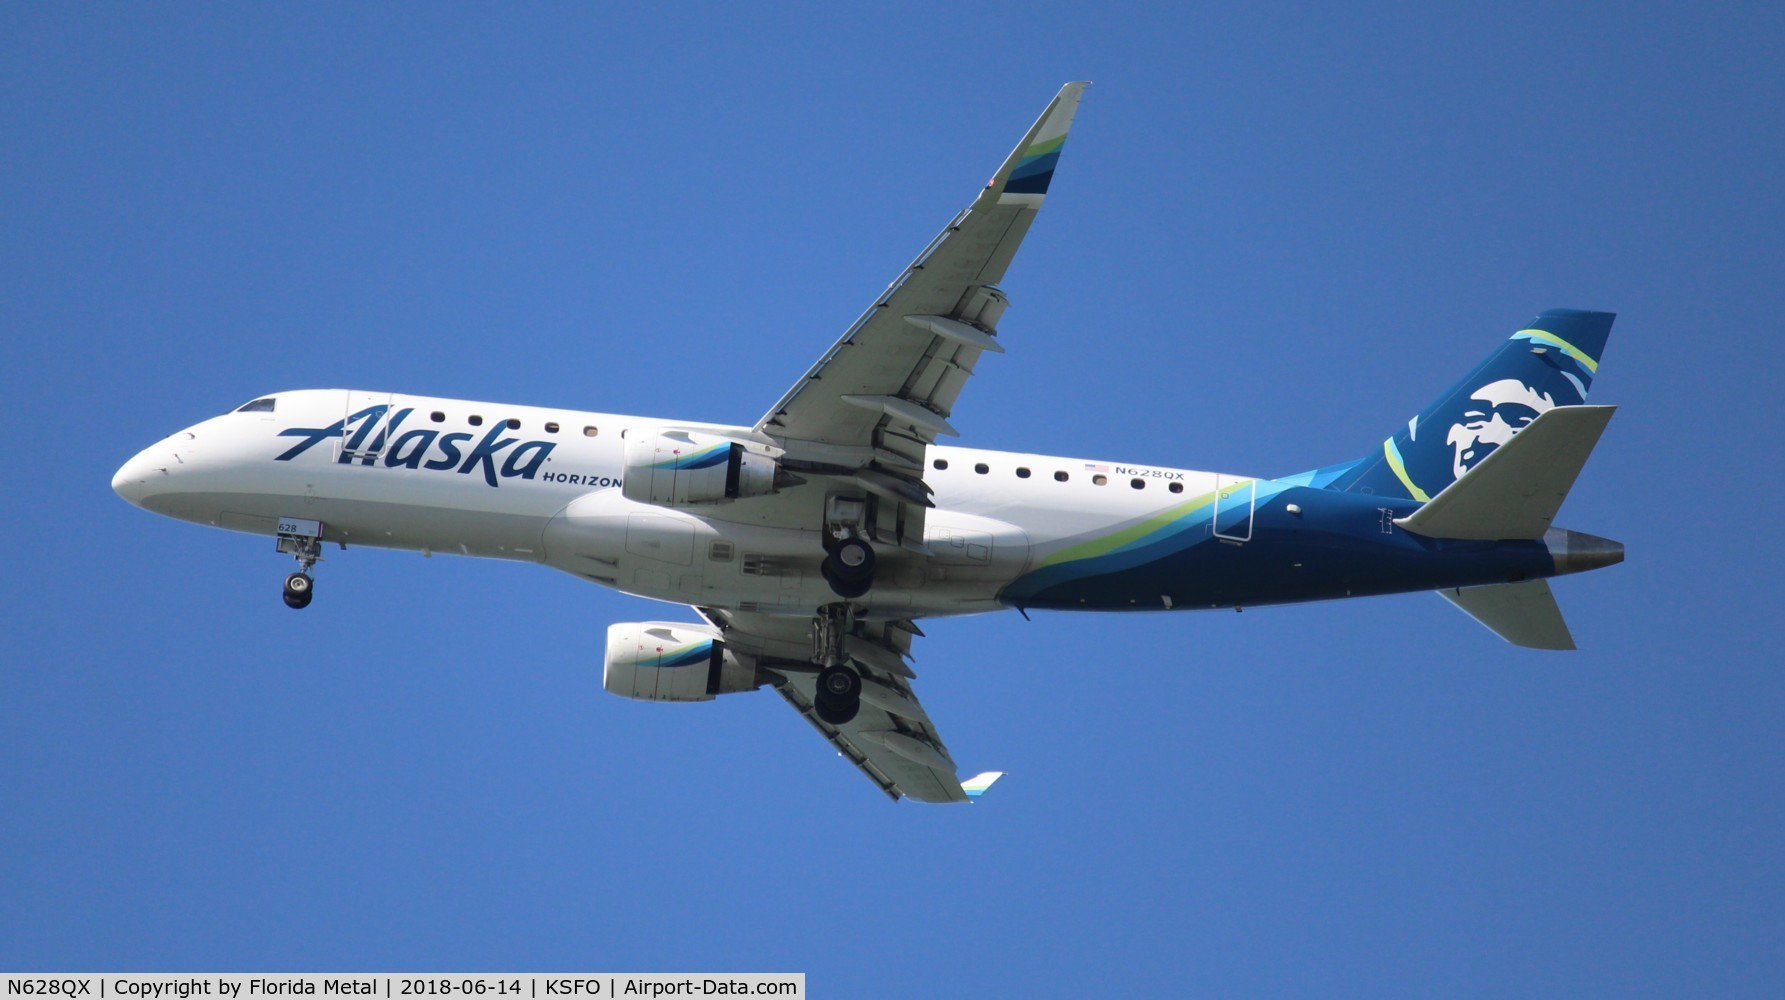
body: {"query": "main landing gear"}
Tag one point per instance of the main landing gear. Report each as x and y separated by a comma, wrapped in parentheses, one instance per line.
(849, 561)
(302, 539)
(838, 696)
(849, 568)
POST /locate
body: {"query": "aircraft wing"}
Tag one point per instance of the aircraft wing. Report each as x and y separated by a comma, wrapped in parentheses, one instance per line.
(891, 739)
(885, 390)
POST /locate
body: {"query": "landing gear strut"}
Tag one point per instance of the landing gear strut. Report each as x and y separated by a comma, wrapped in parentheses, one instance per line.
(838, 695)
(305, 542)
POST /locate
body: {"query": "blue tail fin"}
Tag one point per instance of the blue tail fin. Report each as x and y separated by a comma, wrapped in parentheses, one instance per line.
(1548, 364)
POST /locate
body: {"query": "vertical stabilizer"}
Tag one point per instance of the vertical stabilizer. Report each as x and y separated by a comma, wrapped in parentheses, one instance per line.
(1548, 364)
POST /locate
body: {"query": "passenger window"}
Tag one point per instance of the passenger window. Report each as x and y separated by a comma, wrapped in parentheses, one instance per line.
(982, 468)
(551, 427)
(476, 421)
(514, 424)
(437, 417)
(592, 431)
(1100, 480)
(258, 406)
(1022, 473)
(940, 463)
(1176, 487)
(1139, 484)
(1060, 477)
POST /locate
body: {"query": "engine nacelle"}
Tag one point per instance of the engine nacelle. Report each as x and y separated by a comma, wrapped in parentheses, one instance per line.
(669, 661)
(674, 468)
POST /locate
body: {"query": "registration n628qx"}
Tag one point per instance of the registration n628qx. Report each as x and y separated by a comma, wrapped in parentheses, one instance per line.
(811, 542)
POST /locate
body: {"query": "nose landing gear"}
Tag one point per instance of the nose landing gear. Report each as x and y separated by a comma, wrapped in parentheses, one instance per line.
(302, 539)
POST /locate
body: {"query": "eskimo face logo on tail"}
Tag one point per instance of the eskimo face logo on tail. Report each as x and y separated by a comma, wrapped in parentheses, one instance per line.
(372, 440)
(1492, 415)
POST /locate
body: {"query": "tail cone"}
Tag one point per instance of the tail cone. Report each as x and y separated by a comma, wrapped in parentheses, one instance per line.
(1577, 551)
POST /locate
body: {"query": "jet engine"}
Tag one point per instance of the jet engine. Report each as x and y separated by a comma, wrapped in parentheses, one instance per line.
(668, 661)
(675, 468)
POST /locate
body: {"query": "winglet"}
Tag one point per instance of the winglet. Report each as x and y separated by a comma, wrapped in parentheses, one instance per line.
(976, 785)
(1025, 175)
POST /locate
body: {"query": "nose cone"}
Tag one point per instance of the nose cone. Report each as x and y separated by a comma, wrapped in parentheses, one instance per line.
(134, 478)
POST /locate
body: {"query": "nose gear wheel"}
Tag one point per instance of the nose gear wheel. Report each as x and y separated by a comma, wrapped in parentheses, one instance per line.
(298, 591)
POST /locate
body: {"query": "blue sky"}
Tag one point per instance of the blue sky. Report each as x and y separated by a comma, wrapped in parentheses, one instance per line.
(1274, 235)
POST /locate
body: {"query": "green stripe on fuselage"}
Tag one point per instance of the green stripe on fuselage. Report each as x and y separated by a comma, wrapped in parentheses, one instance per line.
(1132, 534)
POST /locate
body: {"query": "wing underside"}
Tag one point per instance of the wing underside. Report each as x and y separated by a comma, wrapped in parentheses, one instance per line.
(916, 344)
(868, 409)
(853, 432)
(891, 738)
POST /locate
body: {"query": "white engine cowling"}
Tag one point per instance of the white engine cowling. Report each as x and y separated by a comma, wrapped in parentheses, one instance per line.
(669, 661)
(672, 468)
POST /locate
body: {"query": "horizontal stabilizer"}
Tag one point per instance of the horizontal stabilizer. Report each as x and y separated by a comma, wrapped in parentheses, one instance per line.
(1516, 490)
(1524, 614)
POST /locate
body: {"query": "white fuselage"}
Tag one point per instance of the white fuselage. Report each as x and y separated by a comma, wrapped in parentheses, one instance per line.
(543, 485)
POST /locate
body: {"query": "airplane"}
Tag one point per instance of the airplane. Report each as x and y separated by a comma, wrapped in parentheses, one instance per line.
(812, 542)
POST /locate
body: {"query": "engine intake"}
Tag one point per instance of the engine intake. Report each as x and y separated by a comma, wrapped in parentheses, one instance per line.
(667, 661)
(676, 468)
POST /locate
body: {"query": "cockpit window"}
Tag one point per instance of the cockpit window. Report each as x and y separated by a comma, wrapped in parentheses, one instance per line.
(263, 405)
